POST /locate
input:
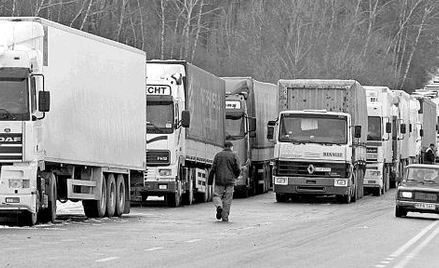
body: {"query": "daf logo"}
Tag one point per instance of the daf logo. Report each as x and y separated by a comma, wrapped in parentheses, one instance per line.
(10, 139)
(311, 169)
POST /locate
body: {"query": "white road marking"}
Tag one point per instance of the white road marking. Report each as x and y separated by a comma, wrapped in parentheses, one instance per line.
(153, 249)
(407, 245)
(404, 247)
(107, 259)
(416, 250)
(193, 240)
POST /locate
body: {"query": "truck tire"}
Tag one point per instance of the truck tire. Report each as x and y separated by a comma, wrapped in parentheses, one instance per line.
(49, 214)
(101, 204)
(174, 199)
(281, 198)
(28, 218)
(111, 195)
(377, 191)
(120, 196)
(189, 195)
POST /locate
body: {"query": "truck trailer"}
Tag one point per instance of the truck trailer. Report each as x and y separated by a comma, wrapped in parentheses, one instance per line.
(185, 129)
(320, 139)
(72, 120)
(250, 104)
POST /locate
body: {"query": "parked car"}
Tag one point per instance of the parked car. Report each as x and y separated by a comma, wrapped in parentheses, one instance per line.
(418, 191)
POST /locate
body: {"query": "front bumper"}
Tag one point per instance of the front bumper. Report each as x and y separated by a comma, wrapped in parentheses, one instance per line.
(159, 188)
(314, 186)
(21, 203)
(416, 206)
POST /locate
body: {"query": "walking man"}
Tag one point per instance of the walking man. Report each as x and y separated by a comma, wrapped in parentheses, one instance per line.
(430, 155)
(226, 169)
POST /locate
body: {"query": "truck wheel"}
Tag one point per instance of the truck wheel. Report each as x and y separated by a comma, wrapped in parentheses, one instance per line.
(101, 205)
(28, 218)
(174, 199)
(111, 195)
(189, 195)
(400, 212)
(281, 198)
(120, 196)
(49, 214)
(377, 191)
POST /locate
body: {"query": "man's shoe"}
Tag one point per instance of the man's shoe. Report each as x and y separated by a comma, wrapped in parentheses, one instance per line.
(219, 212)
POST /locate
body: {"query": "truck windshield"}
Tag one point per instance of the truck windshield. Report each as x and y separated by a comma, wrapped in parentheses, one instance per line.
(160, 117)
(374, 128)
(14, 100)
(313, 129)
(235, 128)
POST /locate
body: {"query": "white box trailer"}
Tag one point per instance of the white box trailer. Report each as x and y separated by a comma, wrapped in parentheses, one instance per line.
(91, 141)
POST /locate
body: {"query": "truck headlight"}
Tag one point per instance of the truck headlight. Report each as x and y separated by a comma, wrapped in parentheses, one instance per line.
(340, 182)
(17, 184)
(281, 181)
(406, 194)
(165, 172)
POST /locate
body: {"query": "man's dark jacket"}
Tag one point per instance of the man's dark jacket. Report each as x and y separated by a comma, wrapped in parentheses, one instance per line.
(429, 156)
(225, 168)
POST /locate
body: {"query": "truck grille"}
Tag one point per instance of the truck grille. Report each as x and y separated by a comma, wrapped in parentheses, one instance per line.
(11, 147)
(371, 154)
(156, 158)
(304, 169)
(424, 196)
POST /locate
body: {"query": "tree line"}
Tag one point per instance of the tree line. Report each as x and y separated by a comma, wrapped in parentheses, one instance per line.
(377, 42)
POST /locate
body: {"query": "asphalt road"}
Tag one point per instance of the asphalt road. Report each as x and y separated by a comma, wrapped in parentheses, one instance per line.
(261, 233)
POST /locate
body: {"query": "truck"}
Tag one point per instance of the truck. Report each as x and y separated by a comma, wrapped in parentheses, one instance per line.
(72, 120)
(428, 118)
(379, 156)
(415, 127)
(250, 104)
(401, 137)
(320, 139)
(185, 129)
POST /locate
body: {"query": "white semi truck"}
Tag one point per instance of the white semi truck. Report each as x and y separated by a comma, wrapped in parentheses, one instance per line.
(379, 156)
(72, 120)
(320, 139)
(185, 129)
(250, 104)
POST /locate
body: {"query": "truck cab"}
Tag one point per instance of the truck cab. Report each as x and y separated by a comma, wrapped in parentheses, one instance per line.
(313, 152)
(23, 103)
(380, 101)
(239, 129)
(166, 123)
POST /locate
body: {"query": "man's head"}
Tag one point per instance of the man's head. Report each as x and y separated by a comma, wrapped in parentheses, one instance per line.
(432, 145)
(228, 145)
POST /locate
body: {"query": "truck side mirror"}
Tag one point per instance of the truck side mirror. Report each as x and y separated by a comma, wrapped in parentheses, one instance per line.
(185, 119)
(421, 132)
(403, 129)
(357, 132)
(251, 124)
(43, 101)
(388, 127)
(270, 129)
(410, 128)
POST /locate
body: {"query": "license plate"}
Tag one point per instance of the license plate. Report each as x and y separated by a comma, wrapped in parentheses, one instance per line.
(323, 169)
(163, 186)
(12, 200)
(425, 206)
